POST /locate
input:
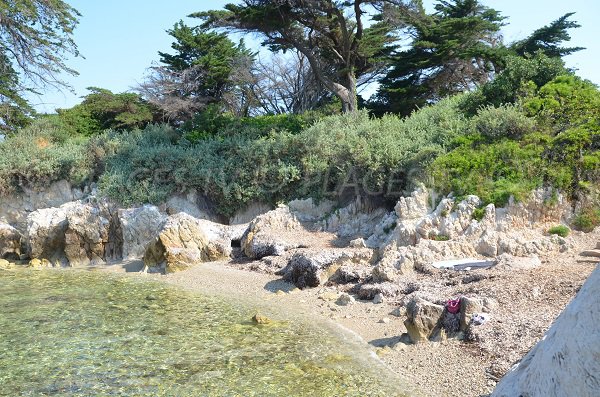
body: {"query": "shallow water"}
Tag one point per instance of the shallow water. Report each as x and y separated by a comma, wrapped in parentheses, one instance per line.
(77, 333)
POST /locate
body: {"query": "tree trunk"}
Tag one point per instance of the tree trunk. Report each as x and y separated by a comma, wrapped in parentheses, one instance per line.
(347, 94)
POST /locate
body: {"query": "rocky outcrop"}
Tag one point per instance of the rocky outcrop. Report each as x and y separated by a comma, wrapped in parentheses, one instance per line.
(139, 227)
(311, 268)
(248, 213)
(414, 235)
(184, 241)
(86, 236)
(14, 209)
(357, 219)
(271, 234)
(74, 234)
(565, 362)
(423, 319)
(46, 233)
(10, 242)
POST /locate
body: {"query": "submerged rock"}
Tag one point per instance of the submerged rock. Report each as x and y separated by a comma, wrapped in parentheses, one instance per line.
(261, 319)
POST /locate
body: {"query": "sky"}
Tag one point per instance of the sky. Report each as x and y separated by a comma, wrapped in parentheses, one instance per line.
(121, 39)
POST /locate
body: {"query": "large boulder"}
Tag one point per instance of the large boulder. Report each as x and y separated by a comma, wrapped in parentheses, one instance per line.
(271, 234)
(86, 235)
(139, 227)
(74, 234)
(566, 362)
(423, 319)
(46, 233)
(311, 268)
(185, 241)
(10, 242)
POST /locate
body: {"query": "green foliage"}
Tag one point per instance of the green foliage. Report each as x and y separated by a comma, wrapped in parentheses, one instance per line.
(587, 219)
(506, 121)
(560, 230)
(101, 110)
(479, 213)
(548, 39)
(337, 155)
(438, 237)
(211, 53)
(565, 102)
(460, 35)
(520, 76)
(40, 154)
(509, 154)
(212, 121)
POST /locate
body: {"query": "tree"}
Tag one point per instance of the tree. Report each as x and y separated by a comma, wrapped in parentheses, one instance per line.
(285, 84)
(455, 49)
(101, 110)
(548, 39)
(331, 35)
(206, 68)
(35, 36)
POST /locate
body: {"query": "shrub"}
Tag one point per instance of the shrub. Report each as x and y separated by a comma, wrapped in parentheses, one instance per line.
(587, 219)
(506, 121)
(479, 213)
(338, 155)
(561, 230)
(40, 154)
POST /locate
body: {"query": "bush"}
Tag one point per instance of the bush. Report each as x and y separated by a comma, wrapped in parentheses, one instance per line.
(506, 121)
(561, 230)
(40, 154)
(587, 219)
(338, 155)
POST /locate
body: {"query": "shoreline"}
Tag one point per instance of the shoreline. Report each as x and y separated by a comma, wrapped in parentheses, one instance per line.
(528, 302)
(278, 300)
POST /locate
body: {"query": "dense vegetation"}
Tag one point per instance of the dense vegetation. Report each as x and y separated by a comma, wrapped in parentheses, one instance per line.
(520, 121)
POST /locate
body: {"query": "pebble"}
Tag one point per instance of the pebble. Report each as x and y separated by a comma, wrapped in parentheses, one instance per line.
(385, 320)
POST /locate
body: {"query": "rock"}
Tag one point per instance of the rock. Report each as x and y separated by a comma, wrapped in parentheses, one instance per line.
(308, 211)
(413, 207)
(271, 234)
(378, 298)
(311, 268)
(509, 262)
(4, 264)
(368, 291)
(261, 319)
(487, 244)
(185, 241)
(86, 236)
(139, 227)
(329, 296)
(353, 273)
(358, 219)
(39, 263)
(565, 362)
(345, 300)
(468, 307)
(249, 213)
(357, 243)
(423, 319)
(385, 320)
(10, 242)
(15, 208)
(46, 232)
(192, 204)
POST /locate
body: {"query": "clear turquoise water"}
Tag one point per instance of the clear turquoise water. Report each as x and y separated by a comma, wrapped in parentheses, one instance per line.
(77, 333)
